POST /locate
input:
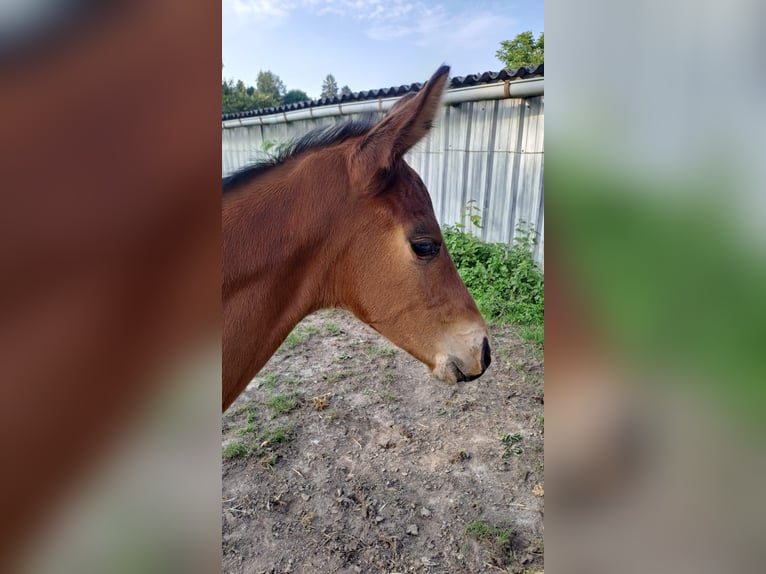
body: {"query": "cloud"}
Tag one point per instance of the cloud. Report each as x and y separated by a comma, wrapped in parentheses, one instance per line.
(423, 23)
(428, 25)
(371, 10)
(273, 8)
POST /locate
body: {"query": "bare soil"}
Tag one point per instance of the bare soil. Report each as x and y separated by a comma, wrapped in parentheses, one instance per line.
(344, 455)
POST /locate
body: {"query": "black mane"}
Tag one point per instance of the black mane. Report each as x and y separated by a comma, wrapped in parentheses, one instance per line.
(316, 138)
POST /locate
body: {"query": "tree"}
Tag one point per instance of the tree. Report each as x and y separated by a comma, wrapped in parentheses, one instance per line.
(270, 88)
(345, 91)
(234, 97)
(523, 50)
(295, 96)
(329, 87)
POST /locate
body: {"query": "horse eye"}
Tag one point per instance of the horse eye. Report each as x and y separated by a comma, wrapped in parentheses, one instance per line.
(425, 248)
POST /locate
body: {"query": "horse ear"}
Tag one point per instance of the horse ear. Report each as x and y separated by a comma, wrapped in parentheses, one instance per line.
(404, 126)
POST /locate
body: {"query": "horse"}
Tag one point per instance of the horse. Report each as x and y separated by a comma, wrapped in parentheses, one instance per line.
(340, 220)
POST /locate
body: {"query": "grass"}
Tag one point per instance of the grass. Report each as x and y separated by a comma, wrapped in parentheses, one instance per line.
(330, 415)
(381, 351)
(499, 538)
(263, 444)
(533, 333)
(482, 530)
(283, 404)
(388, 397)
(295, 338)
(249, 428)
(274, 436)
(336, 377)
(269, 381)
(299, 335)
(332, 329)
(236, 449)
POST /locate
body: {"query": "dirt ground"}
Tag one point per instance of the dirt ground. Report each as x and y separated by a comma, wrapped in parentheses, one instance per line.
(345, 456)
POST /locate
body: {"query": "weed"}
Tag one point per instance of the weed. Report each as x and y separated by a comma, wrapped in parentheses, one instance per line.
(299, 335)
(269, 381)
(388, 397)
(320, 403)
(482, 530)
(250, 428)
(332, 329)
(295, 338)
(272, 148)
(283, 404)
(237, 410)
(344, 357)
(274, 436)
(533, 333)
(331, 415)
(381, 351)
(505, 282)
(509, 440)
(235, 450)
(269, 461)
(336, 377)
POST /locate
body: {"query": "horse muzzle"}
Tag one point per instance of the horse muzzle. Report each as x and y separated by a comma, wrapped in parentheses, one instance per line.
(461, 367)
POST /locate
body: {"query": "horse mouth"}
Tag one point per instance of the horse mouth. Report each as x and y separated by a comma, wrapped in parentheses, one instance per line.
(459, 375)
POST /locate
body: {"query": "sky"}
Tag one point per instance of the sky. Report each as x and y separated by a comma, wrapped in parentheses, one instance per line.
(368, 44)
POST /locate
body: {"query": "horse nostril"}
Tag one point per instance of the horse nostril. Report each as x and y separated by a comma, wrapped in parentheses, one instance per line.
(486, 356)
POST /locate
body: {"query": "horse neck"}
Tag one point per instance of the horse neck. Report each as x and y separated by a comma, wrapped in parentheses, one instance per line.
(277, 257)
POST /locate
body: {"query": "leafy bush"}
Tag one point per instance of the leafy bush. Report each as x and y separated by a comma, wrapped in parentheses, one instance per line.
(505, 282)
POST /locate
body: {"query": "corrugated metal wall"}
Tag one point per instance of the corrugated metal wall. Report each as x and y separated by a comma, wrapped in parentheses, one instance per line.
(487, 151)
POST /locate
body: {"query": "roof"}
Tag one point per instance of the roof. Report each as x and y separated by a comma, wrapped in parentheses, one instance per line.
(455, 82)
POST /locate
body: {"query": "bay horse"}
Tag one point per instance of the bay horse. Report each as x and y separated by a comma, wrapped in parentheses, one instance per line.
(339, 220)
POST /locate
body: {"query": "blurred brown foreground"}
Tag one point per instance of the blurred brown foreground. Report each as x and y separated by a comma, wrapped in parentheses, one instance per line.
(110, 285)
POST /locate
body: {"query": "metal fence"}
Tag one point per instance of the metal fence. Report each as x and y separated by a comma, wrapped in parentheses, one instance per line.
(486, 151)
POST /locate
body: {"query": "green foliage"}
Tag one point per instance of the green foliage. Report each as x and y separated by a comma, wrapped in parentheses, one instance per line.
(345, 91)
(329, 87)
(523, 50)
(295, 96)
(506, 283)
(381, 351)
(509, 440)
(235, 450)
(300, 334)
(270, 86)
(272, 148)
(533, 333)
(263, 443)
(236, 97)
(332, 329)
(269, 91)
(481, 530)
(283, 404)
